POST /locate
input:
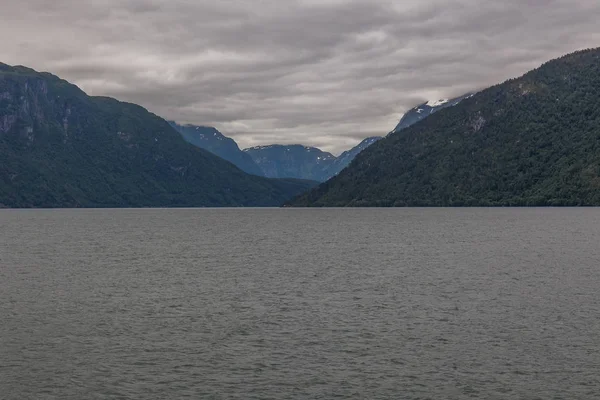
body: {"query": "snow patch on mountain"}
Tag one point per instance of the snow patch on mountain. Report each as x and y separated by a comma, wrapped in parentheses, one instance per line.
(437, 103)
(424, 110)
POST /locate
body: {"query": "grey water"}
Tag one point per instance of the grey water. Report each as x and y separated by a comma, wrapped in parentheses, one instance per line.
(300, 304)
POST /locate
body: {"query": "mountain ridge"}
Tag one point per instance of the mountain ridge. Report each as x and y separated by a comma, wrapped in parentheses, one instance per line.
(530, 141)
(291, 161)
(209, 138)
(295, 161)
(344, 159)
(62, 148)
(426, 109)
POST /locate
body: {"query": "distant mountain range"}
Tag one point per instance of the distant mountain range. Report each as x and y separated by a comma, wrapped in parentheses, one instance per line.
(272, 161)
(531, 141)
(211, 139)
(295, 161)
(62, 148)
(292, 161)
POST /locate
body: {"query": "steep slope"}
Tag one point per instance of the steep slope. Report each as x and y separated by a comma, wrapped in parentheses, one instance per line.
(531, 141)
(346, 157)
(62, 148)
(292, 161)
(424, 110)
(209, 138)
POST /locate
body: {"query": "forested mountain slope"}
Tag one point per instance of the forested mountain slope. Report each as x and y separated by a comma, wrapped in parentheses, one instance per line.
(531, 141)
(62, 148)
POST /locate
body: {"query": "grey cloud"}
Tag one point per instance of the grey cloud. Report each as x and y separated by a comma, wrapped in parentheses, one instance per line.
(325, 73)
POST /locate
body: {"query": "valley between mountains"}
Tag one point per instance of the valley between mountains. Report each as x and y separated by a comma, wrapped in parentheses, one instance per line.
(530, 141)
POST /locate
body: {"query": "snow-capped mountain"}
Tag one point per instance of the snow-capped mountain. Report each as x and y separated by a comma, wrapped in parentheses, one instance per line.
(426, 109)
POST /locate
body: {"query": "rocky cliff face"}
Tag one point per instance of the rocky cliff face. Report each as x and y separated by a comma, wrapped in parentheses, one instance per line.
(32, 109)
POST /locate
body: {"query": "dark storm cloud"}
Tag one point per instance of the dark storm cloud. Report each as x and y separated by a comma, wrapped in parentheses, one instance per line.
(319, 72)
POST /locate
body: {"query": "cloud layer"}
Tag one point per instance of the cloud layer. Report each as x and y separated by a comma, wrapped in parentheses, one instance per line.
(318, 72)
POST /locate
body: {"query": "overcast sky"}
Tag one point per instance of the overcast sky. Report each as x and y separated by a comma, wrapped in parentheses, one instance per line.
(325, 73)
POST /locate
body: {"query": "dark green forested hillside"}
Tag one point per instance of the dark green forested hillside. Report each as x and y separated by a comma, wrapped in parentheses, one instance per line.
(531, 141)
(62, 148)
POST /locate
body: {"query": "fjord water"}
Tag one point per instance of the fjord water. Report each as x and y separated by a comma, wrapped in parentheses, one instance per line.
(300, 304)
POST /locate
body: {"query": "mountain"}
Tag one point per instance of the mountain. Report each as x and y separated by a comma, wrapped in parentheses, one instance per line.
(62, 148)
(531, 141)
(302, 162)
(209, 138)
(346, 157)
(424, 110)
(278, 161)
(292, 161)
(409, 118)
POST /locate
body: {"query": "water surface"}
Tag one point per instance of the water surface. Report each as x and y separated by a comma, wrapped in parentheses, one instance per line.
(300, 304)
